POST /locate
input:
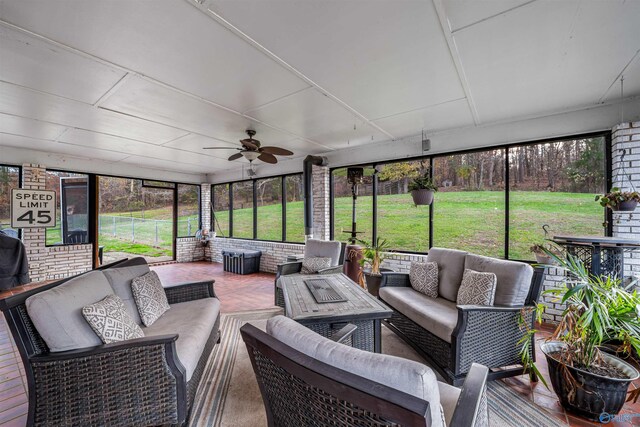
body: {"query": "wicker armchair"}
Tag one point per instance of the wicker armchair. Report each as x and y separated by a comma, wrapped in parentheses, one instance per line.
(296, 266)
(487, 335)
(301, 390)
(135, 382)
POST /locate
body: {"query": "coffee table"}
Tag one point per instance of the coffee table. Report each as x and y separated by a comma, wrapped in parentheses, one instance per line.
(359, 308)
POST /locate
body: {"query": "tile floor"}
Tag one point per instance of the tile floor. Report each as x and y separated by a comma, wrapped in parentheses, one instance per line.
(239, 293)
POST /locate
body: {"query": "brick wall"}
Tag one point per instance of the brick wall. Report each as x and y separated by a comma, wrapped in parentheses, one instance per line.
(273, 253)
(321, 202)
(53, 262)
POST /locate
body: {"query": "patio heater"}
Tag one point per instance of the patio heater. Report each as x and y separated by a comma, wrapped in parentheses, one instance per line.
(353, 251)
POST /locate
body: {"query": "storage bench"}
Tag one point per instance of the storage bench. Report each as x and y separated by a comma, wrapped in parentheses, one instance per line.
(241, 261)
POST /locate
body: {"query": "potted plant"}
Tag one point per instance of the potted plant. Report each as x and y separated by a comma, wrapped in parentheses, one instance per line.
(370, 270)
(587, 380)
(538, 251)
(422, 189)
(618, 200)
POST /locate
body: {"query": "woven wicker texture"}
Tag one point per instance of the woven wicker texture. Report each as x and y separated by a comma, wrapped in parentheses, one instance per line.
(35, 340)
(115, 388)
(188, 292)
(294, 403)
(483, 411)
(279, 297)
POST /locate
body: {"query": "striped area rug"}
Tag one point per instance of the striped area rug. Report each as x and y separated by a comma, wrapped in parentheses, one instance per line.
(229, 396)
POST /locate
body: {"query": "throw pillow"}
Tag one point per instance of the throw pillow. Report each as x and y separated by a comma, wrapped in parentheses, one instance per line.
(150, 297)
(111, 321)
(423, 277)
(313, 264)
(477, 288)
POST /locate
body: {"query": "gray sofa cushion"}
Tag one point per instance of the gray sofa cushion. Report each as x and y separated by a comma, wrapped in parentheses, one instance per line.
(477, 288)
(450, 270)
(193, 322)
(57, 312)
(401, 374)
(514, 278)
(120, 279)
(437, 315)
(323, 248)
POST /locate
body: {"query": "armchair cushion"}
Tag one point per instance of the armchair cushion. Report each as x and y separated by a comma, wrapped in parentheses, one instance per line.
(120, 279)
(477, 288)
(513, 278)
(437, 315)
(110, 320)
(314, 264)
(401, 374)
(150, 297)
(448, 399)
(193, 322)
(57, 312)
(450, 269)
(323, 248)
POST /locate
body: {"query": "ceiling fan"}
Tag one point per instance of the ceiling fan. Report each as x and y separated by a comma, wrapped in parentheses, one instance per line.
(251, 150)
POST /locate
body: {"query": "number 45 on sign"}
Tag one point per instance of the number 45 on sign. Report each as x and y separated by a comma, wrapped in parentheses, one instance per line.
(33, 208)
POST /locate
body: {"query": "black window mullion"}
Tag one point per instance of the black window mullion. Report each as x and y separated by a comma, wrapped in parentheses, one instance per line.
(431, 206)
(255, 209)
(331, 207)
(283, 195)
(230, 189)
(374, 216)
(608, 159)
(507, 202)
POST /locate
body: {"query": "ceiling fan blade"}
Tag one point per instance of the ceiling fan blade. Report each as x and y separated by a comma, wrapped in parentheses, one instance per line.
(276, 150)
(268, 158)
(251, 144)
(235, 156)
(221, 148)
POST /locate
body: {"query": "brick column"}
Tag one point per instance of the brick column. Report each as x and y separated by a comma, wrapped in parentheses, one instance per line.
(189, 249)
(53, 262)
(321, 205)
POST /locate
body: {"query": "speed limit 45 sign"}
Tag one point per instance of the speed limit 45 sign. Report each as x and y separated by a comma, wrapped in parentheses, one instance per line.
(33, 208)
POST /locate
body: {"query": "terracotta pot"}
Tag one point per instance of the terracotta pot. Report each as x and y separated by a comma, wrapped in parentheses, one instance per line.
(544, 259)
(596, 394)
(626, 206)
(352, 257)
(422, 196)
(374, 280)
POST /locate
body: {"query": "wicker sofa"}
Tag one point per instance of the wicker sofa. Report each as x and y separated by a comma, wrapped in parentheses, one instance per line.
(453, 337)
(145, 381)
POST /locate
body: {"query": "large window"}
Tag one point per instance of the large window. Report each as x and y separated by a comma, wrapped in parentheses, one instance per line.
(553, 184)
(188, 209)
(469, 210)
(343, 205)
(295, 208)
(548, 183)
(269, 209)
(400, 222)
(72, 208)
(9, 179)
(221, 207)
(242, 207)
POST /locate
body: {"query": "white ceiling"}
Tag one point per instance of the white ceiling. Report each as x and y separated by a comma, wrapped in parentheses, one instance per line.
(149, 84)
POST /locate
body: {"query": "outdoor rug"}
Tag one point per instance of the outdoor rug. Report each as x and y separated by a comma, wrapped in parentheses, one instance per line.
(229, 395)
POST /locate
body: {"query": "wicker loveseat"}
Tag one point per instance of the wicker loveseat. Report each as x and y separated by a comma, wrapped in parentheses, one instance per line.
(453, 337)
(145, 381)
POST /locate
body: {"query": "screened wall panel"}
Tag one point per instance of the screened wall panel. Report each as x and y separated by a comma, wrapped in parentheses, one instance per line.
(269, 208)
(220, 218)
(342, 205)
(188, 210)
(72, 208)
(295, 208)
(9, 179)
(242, 206)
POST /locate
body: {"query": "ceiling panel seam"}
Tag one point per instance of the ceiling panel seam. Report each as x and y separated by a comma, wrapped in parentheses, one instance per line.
(455, 56)
(504, 12)
(242, 35)
(420, 108)
(113, 89)
(620, 74)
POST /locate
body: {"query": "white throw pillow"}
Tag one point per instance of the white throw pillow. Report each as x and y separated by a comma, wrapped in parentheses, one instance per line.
(150, 297)
(111, 321)
(477, 288)
(313, 264)
(423, 277)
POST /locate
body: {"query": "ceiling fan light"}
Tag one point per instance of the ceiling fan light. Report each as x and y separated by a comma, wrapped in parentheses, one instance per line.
(251, 155)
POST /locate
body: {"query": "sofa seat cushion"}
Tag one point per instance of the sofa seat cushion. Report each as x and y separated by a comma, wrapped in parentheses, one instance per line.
(193, 321)
(450, 269)
(513, 278)
(120, 279)
(437, 315)
(404, 375)
(57, 312)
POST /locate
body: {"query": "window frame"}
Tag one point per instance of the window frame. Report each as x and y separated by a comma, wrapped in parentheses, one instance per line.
(177, 205)
(607, 215)
(20, 184)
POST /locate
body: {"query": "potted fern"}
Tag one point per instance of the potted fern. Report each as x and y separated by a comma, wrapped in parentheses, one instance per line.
(422, 189)
(370, 271)
(587, 380)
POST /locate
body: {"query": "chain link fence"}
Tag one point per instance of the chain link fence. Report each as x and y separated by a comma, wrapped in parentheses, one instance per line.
(157, 232)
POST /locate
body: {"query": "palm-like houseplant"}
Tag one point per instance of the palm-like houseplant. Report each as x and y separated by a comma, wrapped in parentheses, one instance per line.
(373, 253)
(587, 380)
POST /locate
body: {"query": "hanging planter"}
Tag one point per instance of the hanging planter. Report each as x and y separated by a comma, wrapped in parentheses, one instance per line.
(619, 201)
(422, 189)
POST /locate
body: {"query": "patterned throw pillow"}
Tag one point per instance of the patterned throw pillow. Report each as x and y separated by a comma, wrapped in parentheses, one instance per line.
(423, 277)
(110, 320)
(150, 297)
(313, 264)
(477, 288)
